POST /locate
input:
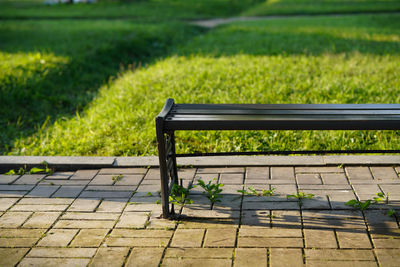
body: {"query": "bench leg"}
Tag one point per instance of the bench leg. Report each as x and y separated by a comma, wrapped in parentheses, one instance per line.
(162, 156)
(168, 168)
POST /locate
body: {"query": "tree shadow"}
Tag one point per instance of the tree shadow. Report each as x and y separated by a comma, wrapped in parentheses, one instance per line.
(67, 64)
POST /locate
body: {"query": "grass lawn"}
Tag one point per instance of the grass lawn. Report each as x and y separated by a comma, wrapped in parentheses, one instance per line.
(287, 7)
(143, 10)
(350, 59)
(52, 69)
(93, 86)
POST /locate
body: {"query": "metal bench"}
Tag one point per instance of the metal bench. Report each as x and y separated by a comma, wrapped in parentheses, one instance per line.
(176, 117)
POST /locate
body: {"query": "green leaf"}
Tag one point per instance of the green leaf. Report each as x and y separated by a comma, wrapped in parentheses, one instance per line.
(365, 205)
(10, 172)
(36, 170)
(21, 171)
(309, 196)
(213, 190)
(352, 203)
(380, 194)
(179, 195)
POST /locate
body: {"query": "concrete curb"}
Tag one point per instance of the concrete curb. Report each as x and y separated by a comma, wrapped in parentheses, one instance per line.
(63, 163)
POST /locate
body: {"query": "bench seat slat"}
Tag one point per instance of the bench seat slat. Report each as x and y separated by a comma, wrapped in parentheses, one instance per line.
(283, 117)
(288, 106)
(283, 112)
(283, 125)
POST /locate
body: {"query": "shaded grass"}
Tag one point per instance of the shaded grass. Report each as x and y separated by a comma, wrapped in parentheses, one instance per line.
(53, 69)
(143, 10)
(290, 7)
(309, 60)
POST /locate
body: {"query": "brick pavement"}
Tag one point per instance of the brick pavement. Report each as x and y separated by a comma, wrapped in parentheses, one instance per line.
(90, 217)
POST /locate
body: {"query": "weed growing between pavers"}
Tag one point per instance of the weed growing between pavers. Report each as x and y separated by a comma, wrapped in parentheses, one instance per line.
(117, 178)
(34, 170)
(300, 196)
(252, 191)
(364, 205)
(211, 190)
(179, 195)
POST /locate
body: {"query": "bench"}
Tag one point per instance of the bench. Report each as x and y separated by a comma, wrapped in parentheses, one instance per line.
(178, 117)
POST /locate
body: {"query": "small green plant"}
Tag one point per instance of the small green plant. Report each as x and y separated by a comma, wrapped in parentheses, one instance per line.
(34, 170)
(157, 201)
(363, 205)
(117, 178)
(21, 171)
(252, 191)
(380, 197)
(149, 194)
(212, 190)
(300, 196)
(10, 172)
(357, 204)
(180, 195)
(45, 169)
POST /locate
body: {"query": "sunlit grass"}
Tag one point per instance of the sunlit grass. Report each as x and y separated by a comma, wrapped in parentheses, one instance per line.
(285, 61)
(287, 7)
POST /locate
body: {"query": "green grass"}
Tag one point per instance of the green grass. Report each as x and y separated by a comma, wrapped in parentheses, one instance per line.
(288, 7)
(53, 69)
(351, 59)
(143, 10)
(93, 85)
(160, 10)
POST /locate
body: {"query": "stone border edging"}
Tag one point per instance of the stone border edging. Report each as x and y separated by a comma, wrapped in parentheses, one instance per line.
(65, 163)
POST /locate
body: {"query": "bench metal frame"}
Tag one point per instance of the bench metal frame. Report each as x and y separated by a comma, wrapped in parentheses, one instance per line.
(175, 117)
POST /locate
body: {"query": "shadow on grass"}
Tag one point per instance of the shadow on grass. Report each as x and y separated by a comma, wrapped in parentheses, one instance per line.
(95, 55)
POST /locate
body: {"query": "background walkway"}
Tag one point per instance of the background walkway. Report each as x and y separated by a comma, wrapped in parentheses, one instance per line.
(212, 23)
(97, 217)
